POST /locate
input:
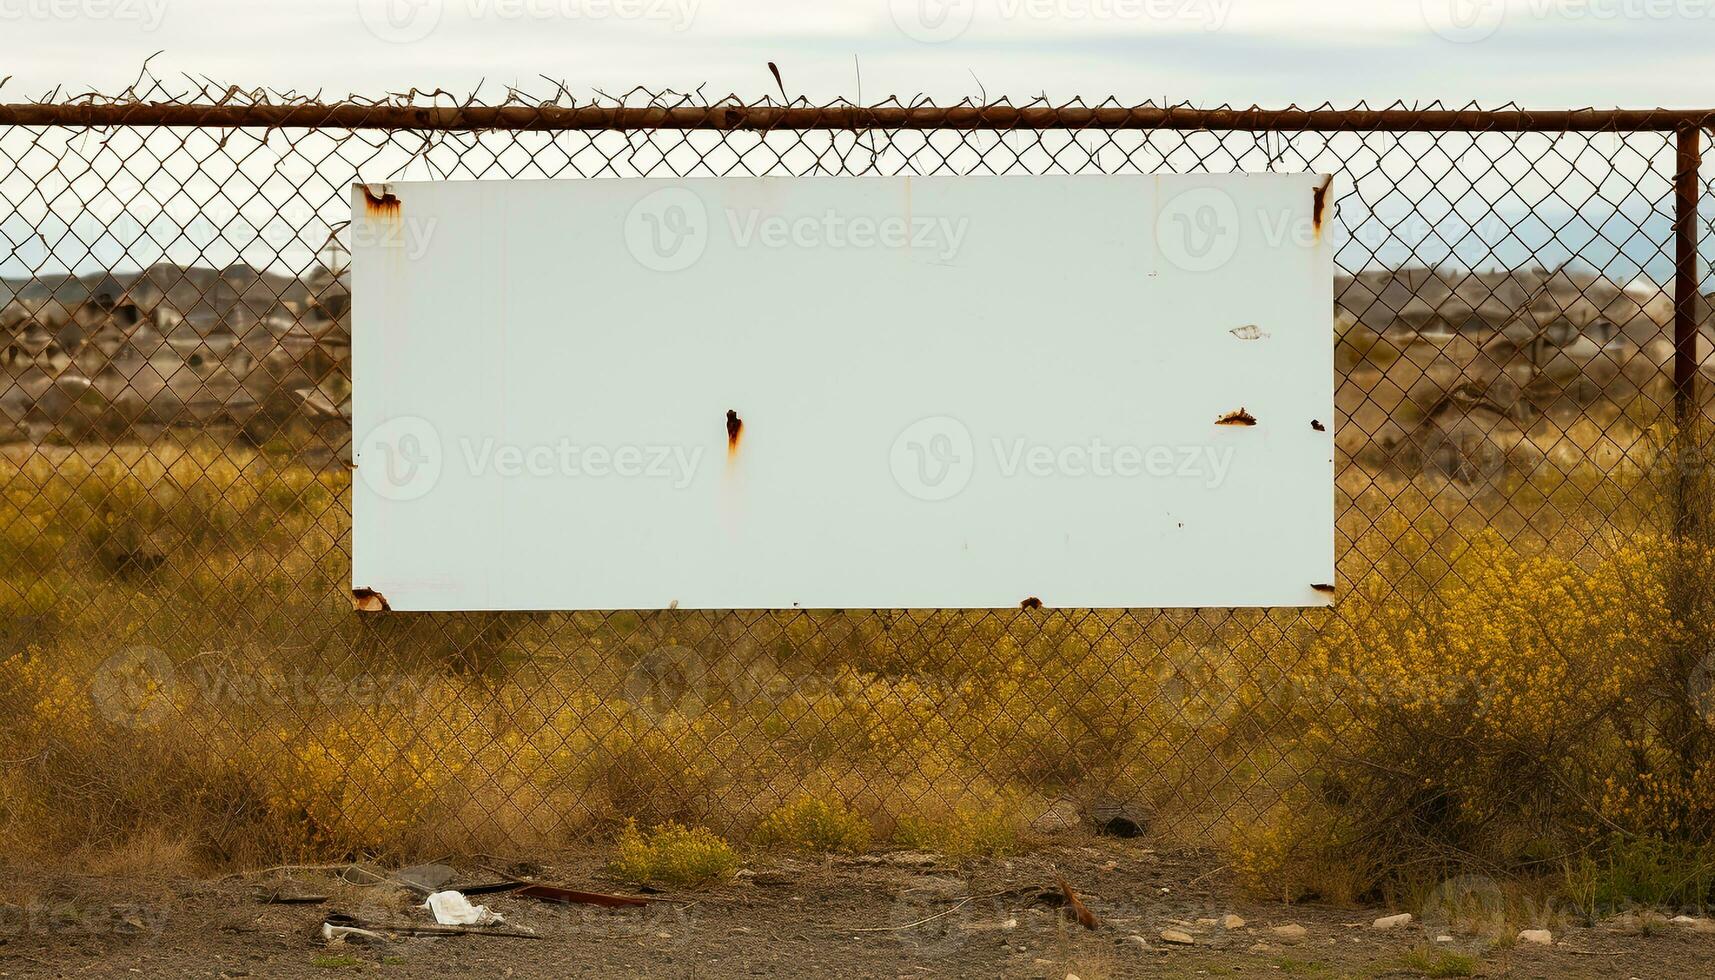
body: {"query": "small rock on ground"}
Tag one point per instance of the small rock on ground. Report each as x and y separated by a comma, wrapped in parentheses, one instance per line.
(1177, 937)
(1541, 937)
(1392, 921)
(1290, 931)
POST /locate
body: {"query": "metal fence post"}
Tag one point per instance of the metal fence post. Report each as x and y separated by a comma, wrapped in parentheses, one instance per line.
(1686, 408)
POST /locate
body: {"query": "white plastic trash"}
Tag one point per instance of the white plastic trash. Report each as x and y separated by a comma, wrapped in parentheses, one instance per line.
(453, 909)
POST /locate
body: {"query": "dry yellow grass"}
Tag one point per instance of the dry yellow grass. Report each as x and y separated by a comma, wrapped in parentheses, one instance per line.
(179, 652)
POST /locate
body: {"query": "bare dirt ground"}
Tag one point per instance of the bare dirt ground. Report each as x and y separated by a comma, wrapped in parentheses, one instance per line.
(899, 915)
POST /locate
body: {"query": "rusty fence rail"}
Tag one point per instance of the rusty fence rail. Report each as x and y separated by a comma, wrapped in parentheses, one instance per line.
(1522, 326)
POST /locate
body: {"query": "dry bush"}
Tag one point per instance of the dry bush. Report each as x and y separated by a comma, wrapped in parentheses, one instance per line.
(1476, 706)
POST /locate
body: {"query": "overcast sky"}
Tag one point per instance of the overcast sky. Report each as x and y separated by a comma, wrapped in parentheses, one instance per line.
(1541, 53)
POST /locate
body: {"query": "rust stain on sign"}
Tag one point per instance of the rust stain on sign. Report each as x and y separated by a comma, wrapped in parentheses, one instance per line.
(1319, 202)
(1323, 587)
(1031, 603)
(734, 427)
(384, 205)
(1240, 417)
(369, 600)
(1318, 426)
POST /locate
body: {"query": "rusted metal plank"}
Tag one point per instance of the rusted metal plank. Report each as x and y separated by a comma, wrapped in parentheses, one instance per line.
(347, 115)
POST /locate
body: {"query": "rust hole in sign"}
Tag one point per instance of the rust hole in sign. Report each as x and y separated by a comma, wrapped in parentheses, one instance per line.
(1240, 417)
(369, 600)
(1319, 202)
(1031, 603)
(1318, 426)
(734, 426)
(384, 206)
(1323, 587)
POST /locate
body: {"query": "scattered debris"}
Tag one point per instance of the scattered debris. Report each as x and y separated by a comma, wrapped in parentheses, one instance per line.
(453, 909)
(1177, 938)
(1392, 921)
(341, 927)
(291, 898)
(344, 934)
(1239, 417)
(568, 896)
(1694, 923)
(1540, 937)
(1075, 905)
(426, 879)
(898, 859)
(492, 888)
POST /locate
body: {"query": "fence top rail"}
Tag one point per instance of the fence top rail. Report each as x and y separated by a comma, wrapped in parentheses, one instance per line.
(734, 116)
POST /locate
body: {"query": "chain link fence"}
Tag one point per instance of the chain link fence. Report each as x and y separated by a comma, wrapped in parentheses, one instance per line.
(179, 638)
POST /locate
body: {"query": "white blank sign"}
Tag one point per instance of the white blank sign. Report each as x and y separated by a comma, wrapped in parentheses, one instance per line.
(1088, 391)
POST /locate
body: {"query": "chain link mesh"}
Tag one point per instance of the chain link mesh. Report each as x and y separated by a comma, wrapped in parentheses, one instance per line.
(175, 438)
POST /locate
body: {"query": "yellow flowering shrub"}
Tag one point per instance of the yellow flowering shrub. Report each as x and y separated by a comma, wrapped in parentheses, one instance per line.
(672, 854)
(1507, 712)
(812, 824)
(968, 829)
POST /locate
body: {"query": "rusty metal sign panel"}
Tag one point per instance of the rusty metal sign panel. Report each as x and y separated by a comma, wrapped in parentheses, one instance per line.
(1090, 391)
